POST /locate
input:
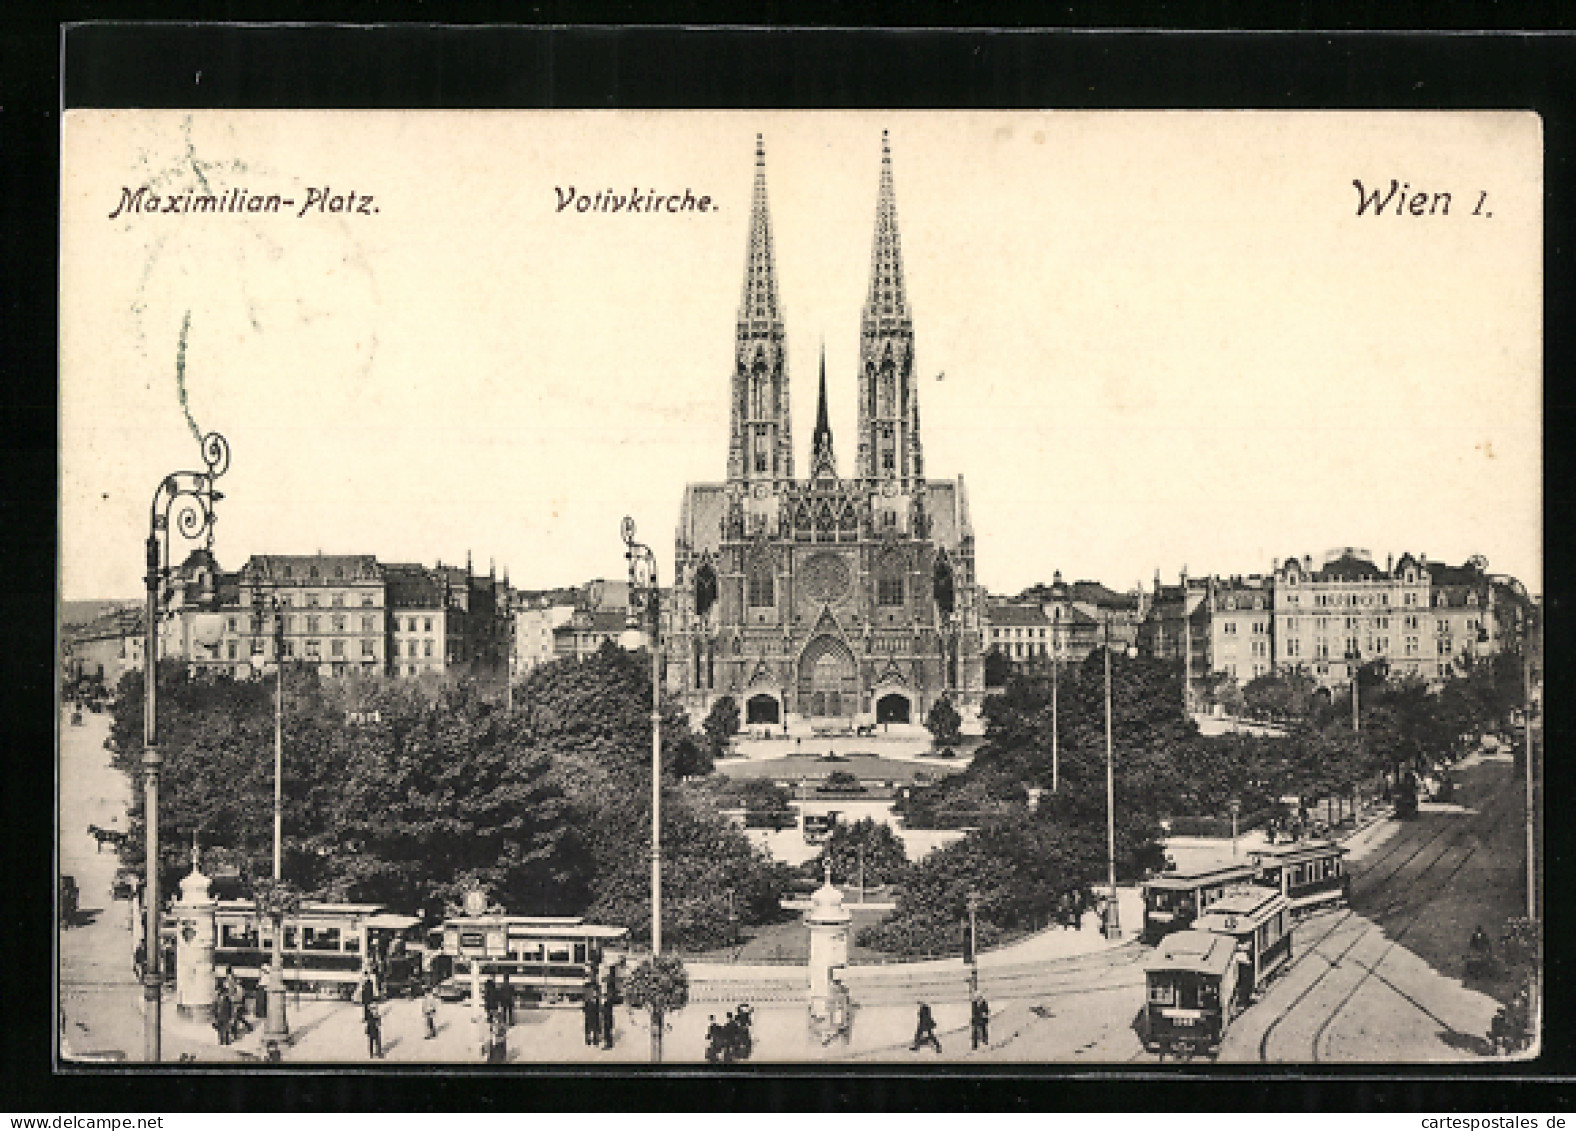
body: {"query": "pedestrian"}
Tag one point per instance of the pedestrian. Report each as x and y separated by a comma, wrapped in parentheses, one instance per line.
(979, 1021)
(139, 961)
(222, 1015)
(925, 1030)
(260, 993)
(498, 1053)
(374, 1026)
(365, 993)
(506, 996)
(743, 1041)
(607, 1018)
(591, 1007)
(490, 997)
(713, 1039)
(729, 1041)
(429, 1010)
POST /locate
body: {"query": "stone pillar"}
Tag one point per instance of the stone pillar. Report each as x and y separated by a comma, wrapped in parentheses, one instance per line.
(828, 921)
(194, 942)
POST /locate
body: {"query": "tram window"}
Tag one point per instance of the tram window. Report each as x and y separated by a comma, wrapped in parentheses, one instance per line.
(1209, 994)
(320, 938)
(352, 944)
(558, 953)
(237, 935)
(580, 952)
(290, 938)
(529, 951)
(1162, 993)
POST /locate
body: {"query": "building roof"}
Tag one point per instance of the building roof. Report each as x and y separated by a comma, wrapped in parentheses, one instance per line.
(1015, 614)
(108, 625)
(608, 621)
(310, 569)
(1441, 574)
(409, 586)
(1348, 567)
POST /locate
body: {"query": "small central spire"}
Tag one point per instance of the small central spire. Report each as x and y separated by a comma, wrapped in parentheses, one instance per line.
(823, 463)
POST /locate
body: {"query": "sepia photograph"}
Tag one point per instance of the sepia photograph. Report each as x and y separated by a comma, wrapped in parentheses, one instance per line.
(897, 588)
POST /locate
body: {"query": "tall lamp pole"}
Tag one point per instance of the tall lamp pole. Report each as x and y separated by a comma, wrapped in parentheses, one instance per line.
(183, 504)
(1354, 661)
(1056, 677)
(276, 1028)
(1113, 923)
(643, 593)
(974, 945)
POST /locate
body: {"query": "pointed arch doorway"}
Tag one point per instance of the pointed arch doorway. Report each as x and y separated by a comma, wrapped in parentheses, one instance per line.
(828, 679)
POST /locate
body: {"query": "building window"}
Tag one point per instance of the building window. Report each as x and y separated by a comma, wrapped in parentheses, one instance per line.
(257, 645)
(339, 600)
(311, 624)
(427, 624)
(428, 643)
(312, 650)
(311, 571)
(230, 623)
(232, 649)
(889, 591)
(366, 624)
(762, 588)
(413, 648)
(367, 601)
(337, 648)
(311, 600)
(339, 624)
(367, 648)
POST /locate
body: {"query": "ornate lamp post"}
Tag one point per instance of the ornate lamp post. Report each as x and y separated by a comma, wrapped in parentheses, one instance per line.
(1113, 920)
(1236, 807)
(1354, 662)
(1056, 678)
(267, 606)
(188, 498)
(974, 947)
(643, 596)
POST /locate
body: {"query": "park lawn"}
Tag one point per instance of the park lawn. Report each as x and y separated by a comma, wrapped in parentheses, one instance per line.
(865, 767)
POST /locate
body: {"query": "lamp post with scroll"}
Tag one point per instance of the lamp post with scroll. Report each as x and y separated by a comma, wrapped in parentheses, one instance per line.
(266, 608)
(183, 505)
(643, 596)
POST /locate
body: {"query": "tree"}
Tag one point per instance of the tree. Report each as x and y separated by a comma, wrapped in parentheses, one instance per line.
(1281, 695)
(661, 985)
(765, 804)
(998, 668)
(721, 724)
(866, 849)
(944, 722)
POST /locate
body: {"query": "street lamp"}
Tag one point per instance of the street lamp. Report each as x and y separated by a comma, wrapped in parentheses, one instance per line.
(643, 595)
(1236, 807)
(276, 1028)
(189, 498)
(1113, 924)
(974, 947)
(1056, 676)
(1354, 664)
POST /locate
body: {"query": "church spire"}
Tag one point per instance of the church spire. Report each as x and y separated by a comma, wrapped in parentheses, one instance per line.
(823, 463)
(760, 439)
(889, 445)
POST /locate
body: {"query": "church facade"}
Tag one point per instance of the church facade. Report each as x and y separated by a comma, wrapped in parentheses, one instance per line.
(851, 598)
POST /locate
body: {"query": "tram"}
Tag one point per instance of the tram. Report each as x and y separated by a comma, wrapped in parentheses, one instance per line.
(1200, 979)
(1309, 873)
(1173, 900)
(1192, 990)
(326, 946)
(540, 959)
(1259, 919)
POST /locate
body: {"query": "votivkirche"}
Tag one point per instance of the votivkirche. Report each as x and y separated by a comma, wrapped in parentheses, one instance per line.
(849, 599)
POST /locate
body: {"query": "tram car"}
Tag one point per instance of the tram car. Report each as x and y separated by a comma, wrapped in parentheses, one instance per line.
(1310, 874)
(1192, 989)
(1173, 900)
(326, 946)
(544, 960)
(1200, 979)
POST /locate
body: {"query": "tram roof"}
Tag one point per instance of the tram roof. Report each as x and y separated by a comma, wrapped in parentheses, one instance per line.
(1299, 851)
(522, 926)
(1193, 877)
(1197, 952)
(1253, 902)
(310, 908)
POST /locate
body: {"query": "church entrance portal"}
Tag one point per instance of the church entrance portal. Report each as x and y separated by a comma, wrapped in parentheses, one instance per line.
(828, 679)
(893, 708)
(761, 709)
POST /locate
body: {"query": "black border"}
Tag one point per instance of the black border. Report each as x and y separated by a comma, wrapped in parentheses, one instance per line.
(401, 66)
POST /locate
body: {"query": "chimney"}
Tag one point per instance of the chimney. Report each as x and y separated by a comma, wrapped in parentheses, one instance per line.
(1307, 562)
(1389, 563)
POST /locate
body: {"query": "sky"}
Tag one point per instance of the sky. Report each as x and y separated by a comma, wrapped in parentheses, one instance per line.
(1145, 340)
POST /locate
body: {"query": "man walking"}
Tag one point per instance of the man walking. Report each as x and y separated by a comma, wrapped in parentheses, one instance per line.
(591, 1007)
(374, 1027)
(979, 1021)
(607, 1019)
(222, 1016)
(429, 1010)
(925, 1031)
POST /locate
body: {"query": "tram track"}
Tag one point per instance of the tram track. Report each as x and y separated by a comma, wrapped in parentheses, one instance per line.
(1406, 898)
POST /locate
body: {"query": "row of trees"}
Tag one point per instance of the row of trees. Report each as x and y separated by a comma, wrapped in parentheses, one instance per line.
(407, 792)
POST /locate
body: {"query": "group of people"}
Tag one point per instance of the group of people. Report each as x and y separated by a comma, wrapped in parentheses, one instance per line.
(979, 1026)
(371, 1014)
(596, 1005)
(731, 1040)
(1071, 907)
(229, 1007)
(498, 1011)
